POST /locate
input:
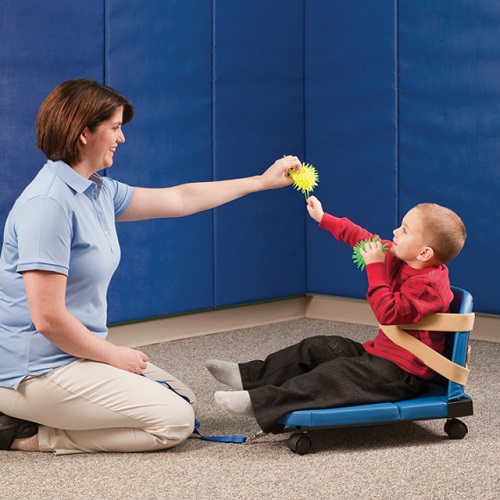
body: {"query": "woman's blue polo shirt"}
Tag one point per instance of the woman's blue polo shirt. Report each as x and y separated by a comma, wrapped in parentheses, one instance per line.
(63, 223)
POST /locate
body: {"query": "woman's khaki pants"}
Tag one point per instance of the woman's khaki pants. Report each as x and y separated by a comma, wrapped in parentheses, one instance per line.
(88, 406)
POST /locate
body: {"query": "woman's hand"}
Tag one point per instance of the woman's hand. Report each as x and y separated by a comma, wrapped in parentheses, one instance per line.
(315, 208)
(130, 360)
(276, 176)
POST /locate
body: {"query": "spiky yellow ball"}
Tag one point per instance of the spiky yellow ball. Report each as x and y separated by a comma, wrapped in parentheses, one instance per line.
(305, 180)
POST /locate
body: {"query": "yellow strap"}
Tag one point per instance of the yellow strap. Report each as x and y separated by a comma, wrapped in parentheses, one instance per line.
(445, 322)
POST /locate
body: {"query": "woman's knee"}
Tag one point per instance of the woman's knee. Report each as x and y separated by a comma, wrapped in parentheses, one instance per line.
(178, 425)
(192, 399)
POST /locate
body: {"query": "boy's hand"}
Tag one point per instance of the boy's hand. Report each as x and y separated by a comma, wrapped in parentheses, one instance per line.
(373, 252)
(314, 208)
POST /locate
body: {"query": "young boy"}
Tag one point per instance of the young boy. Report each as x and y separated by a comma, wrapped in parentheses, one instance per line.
(407, 283)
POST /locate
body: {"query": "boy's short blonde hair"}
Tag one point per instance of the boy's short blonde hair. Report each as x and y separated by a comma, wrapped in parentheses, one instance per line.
(443, 229)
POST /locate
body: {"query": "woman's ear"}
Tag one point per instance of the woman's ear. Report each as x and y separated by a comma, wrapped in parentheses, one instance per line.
(84, 136)
(426, 254)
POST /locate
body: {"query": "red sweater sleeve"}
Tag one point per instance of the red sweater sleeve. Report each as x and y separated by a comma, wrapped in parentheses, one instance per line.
(344, 229)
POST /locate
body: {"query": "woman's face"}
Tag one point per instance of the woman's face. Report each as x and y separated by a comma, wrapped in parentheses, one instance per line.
(100, 145)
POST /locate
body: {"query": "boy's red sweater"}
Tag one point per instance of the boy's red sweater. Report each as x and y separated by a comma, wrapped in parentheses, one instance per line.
(398, 294)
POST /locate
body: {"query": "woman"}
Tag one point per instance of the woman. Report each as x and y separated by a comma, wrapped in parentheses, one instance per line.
(63, 387)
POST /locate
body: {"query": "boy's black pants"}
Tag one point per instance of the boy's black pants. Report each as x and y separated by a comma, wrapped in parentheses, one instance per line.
(322, 372)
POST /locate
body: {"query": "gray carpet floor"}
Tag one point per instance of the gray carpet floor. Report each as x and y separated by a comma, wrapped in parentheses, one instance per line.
(407, 460)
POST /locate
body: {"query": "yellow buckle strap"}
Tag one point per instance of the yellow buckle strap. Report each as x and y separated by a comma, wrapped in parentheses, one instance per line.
(445, 322)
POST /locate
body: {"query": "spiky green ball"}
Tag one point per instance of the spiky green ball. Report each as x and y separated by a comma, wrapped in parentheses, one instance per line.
(361, 245)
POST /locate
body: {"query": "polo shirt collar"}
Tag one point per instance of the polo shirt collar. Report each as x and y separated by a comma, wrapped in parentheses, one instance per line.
(74, 180)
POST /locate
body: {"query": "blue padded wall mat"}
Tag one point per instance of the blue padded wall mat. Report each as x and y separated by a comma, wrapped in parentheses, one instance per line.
(382, 97)
(450, 126)
(350, 131)
(258, 117)
(159, 54)
(42, 44)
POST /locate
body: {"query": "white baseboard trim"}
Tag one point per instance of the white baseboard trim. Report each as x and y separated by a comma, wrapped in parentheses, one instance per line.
(204, 323)
(326, 307)
(343, 309)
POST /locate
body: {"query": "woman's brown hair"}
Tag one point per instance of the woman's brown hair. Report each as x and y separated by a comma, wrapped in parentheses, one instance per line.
(71, 107)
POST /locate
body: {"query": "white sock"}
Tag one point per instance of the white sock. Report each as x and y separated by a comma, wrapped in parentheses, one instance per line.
(226, 372)
(237, 402)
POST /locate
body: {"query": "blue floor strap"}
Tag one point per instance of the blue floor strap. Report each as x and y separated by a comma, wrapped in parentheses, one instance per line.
(219, 439)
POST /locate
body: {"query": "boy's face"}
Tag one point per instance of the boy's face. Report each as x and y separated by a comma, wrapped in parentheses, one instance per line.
(408, 240)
